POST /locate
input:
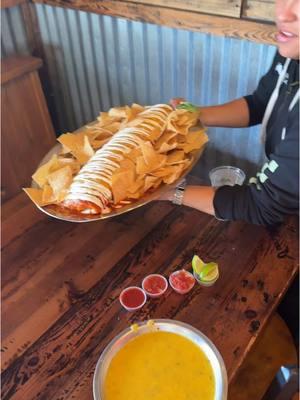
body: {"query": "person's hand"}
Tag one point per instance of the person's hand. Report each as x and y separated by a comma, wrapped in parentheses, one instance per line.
(176, 101)
(179, 102)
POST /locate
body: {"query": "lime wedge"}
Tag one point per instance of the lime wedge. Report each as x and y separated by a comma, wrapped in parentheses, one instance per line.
(209, 272)
(197, 264)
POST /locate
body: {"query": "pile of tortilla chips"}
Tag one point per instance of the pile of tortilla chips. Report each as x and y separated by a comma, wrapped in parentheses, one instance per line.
(160, 160)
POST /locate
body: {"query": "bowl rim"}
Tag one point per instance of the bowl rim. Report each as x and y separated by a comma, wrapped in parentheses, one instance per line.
(223, 386)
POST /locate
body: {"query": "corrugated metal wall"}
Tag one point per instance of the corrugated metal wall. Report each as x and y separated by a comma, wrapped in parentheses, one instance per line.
(96, 62)
(13, 34)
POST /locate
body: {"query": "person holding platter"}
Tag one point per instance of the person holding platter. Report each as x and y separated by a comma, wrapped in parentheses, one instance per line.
(274, 192)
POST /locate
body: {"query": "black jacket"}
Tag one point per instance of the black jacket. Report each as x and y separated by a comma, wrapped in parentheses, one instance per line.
(274, 192)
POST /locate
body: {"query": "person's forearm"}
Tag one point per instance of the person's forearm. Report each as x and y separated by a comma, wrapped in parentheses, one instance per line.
(200, 198)
(234, 114)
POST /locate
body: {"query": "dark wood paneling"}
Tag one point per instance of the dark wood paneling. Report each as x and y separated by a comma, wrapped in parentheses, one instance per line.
(26, 130)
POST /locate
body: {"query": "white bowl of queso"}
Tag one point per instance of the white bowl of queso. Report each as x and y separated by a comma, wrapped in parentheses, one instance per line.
(160, 360)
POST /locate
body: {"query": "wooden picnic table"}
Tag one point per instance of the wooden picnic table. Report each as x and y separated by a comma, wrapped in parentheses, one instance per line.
(61, 282)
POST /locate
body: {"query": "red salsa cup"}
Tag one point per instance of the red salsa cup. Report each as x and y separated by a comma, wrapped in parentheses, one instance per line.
(155, 285)
(182, 281)
(132, 298)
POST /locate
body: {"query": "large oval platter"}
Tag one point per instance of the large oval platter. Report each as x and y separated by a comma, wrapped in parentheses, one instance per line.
(65, 215)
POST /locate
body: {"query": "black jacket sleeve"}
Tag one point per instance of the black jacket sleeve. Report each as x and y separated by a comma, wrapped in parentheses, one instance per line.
(275, 192)
(257, 102)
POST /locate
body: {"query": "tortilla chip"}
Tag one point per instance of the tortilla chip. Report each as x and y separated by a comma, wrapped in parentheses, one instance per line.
(36, 195)
(176, 156)
(97, 132)
(113, 127)
(104, 119)
(40, 176)
(166, 171)
(64, 151)
(166, 137)
(151, 181)
(171, 178)
(177, 171)
(70, 162)
(137, 108)
(60, 180)
(48, 196)
(141, 167)
(194, 140)
(120, 183)
(135, 196)
(134, 154)
(78, 145)
(98, 136)
(92, 134)
(187, 118)
(165, 147)
(127, 163)
(151, 157)
(136, 186)
(181, 121)
(97, 144)
(121, 113)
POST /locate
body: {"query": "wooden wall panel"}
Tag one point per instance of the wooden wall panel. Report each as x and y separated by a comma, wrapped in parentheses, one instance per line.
(231, 8)
(263, 10)
(26, 129)
(11, 3)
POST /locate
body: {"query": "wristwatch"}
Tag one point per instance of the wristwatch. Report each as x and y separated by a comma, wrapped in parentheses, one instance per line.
(179, 193)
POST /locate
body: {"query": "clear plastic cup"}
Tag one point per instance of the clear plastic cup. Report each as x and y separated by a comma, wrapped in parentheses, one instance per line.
(133, 298)
(202, 283)
(185, 275)
(159, 283)
(226, 175)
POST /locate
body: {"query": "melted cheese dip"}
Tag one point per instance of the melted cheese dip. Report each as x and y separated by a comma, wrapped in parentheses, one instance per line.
(159, 366)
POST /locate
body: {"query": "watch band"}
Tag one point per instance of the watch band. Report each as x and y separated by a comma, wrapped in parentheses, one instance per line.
(179, 193)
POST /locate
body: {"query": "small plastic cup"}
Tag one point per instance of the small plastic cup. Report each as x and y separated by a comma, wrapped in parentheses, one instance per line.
(226, 175)
(209, 283)
(133, 298)
(187, 275)
(160, 279)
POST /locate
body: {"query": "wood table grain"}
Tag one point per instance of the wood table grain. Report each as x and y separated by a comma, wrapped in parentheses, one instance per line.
(61, 282)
